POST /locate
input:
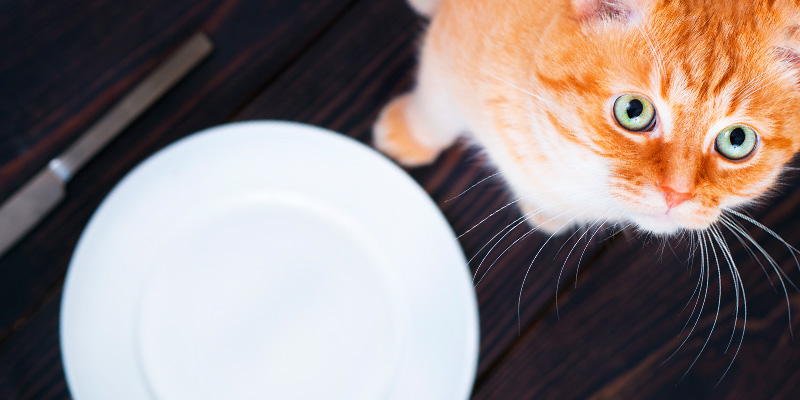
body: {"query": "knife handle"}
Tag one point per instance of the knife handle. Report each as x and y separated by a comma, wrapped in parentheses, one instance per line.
(28, 205)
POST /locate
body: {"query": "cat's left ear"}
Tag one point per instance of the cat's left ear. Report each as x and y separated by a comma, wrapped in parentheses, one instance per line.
(625, 11)
(789, 49)
(787, 45)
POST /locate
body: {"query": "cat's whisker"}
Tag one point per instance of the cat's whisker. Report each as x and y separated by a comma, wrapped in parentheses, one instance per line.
(525, 235)
(719, 303)
(580, 258)
(596, 231)
(752, 254)
(528, 270)
(517, 241)
(706, 270)
(521, 220)
(520, 199)
(713, 235)
(617, 231)
(591, 223)
(664, 242)
(744, 323)
(786, 169)
(473, 186)
(588, 242)
(738, 286)
(694, 292)
(527, 215)
(561, 272)
(490, 216)
(792, 250)
(772, 263)
(778, 271)
(731, 266)
(781, 275)
(692, 249)
(698, 287)
(577, 230)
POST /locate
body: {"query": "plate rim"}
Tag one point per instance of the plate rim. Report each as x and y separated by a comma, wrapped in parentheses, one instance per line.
(471, 314)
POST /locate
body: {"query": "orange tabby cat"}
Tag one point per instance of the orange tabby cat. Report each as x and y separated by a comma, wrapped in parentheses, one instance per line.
(660, 113)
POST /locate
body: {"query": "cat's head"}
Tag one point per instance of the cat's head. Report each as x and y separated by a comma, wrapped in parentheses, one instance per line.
(694, 106)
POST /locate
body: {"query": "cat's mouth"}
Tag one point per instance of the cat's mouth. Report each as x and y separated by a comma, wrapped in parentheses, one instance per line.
(674, 220)
(661, 223)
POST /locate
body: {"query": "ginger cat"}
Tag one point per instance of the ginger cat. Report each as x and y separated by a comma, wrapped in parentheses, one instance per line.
(665, 114)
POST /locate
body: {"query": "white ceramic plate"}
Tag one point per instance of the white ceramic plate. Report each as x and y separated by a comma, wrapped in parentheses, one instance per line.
(268, 260)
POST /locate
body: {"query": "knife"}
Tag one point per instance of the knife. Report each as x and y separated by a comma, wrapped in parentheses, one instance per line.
(34, 200)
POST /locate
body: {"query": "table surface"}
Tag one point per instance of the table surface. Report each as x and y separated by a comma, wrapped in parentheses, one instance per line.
(334, 63)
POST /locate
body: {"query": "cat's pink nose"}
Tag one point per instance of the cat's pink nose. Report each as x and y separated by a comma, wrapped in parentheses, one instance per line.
(674, 197)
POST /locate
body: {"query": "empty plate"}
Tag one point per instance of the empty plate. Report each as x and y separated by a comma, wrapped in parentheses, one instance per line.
(268, 260)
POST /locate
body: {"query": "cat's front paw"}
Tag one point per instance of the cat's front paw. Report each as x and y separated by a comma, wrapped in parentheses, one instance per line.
(395, 136)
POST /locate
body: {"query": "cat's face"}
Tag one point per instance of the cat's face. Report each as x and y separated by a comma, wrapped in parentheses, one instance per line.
(693, 108)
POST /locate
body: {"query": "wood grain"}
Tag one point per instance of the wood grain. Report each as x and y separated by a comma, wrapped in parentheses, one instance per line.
(254, 41)
(335, 64)
(65, 63)
(343, 81)
(625, 317)
(30, 361)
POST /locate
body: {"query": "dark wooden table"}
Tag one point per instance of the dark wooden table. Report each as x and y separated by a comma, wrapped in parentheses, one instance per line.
(334, 63)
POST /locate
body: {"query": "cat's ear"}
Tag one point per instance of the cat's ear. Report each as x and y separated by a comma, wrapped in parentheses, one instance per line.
(790, 56)
(626, 11)
(788, 51)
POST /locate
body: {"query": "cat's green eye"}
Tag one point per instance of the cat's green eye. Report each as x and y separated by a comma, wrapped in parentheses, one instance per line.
(634, 112)
(736, 142)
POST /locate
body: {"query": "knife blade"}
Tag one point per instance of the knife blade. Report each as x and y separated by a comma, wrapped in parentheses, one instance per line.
(35, 199)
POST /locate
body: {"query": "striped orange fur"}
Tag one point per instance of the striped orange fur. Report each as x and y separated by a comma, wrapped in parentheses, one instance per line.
(534, 83)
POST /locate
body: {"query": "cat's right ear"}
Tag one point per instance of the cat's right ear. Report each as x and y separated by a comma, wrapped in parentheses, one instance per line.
(788, 51)
(625, 11)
